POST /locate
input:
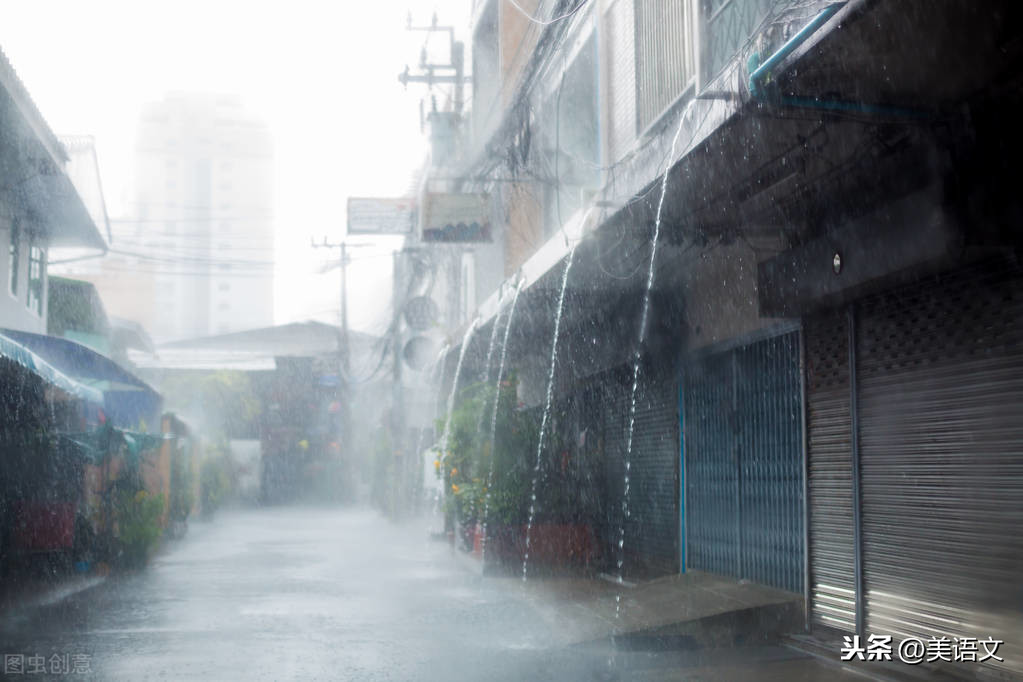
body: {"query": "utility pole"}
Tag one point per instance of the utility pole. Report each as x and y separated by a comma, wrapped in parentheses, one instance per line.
(345, 384)
(398, 422)
(453, 72)
(344, 356)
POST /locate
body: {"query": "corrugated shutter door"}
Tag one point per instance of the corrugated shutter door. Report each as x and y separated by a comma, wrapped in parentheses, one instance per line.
(770, 453)
(743, 460)
(829, 440)
(940, 371)
(712, 473)
(615, 412)
(653, 499)
(651, 531)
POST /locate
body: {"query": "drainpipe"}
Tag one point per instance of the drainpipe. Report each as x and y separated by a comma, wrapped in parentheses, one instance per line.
(760, 75)
(761, 72)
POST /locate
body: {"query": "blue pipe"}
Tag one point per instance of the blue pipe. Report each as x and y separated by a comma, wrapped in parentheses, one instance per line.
(844, 105)
(760, 73)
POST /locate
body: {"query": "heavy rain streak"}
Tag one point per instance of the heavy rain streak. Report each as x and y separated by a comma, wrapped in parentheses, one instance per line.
(511, 340)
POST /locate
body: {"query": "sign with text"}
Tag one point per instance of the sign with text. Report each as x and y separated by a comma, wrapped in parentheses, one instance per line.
(456, 218)
(381, 216)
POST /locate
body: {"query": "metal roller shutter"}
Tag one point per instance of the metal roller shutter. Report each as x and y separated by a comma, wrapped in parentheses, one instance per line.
(940, 374)
(615, 411)
(651, 531)
(829, 441)
(743, 459)
(653, 500)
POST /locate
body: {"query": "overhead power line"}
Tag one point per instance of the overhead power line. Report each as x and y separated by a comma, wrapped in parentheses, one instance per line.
(548, 22)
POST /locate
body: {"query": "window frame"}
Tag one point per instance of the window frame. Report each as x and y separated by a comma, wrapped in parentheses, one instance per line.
(14, 259)
(36, 285)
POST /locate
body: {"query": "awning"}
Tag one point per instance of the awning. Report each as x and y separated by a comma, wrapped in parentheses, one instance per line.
(16, 352)
(126, 399)
(103, 441)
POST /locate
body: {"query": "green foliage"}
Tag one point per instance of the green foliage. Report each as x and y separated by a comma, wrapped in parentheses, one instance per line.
(182, 476)
(215, 477)
(224, 403)
(138, 524)
(466, 466)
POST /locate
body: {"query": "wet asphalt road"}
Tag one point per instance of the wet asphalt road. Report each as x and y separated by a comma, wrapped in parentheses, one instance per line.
(320, 594)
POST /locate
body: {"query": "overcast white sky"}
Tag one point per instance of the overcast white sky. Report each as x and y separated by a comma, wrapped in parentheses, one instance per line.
(322, 74)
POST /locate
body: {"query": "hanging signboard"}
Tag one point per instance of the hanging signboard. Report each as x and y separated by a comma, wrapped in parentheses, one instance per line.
(456, 218)
(381, 216)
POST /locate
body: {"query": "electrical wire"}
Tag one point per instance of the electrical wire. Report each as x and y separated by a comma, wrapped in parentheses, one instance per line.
(548, 22)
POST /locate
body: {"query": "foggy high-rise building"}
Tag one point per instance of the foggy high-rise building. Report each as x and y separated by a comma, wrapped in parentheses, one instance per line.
(202, 221)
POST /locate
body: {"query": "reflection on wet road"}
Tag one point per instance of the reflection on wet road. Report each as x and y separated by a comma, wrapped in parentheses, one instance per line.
(308, 593)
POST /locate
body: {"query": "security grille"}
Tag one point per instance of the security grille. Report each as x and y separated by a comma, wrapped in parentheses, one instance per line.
(619, 57)
(729, 24)
(665, 58)
(743, 463)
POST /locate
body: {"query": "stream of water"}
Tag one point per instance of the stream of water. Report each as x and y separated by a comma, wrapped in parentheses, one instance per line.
(546, 409)
(493, 421)
(454, 387)
(637, 357)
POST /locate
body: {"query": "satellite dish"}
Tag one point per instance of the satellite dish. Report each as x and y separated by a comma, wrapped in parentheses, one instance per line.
(421, 313)
(419, 352)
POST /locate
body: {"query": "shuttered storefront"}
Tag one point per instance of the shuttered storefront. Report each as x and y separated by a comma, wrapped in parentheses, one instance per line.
(938, 400)
(653, 498)
(743, 463)
(829, 480)
(940, 377)
(651, 531)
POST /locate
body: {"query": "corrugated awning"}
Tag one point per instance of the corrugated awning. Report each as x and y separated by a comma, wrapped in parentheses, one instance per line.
(16, 352)
(125, 398)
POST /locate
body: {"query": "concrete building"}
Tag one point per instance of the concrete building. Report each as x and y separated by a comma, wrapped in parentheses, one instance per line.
(39, 206)
(811, 209)
(202, 225)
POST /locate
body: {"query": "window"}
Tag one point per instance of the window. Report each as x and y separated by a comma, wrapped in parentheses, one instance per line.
(665, 58)
(14, 257)
(729, 24)
(36, 271)
(573, 136)
(224, 286)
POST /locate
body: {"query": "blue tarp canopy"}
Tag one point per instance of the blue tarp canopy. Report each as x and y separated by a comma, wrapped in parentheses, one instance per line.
(14, 351)
(126, 399)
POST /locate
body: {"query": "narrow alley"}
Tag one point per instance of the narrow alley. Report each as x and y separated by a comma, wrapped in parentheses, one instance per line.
(322, 594)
